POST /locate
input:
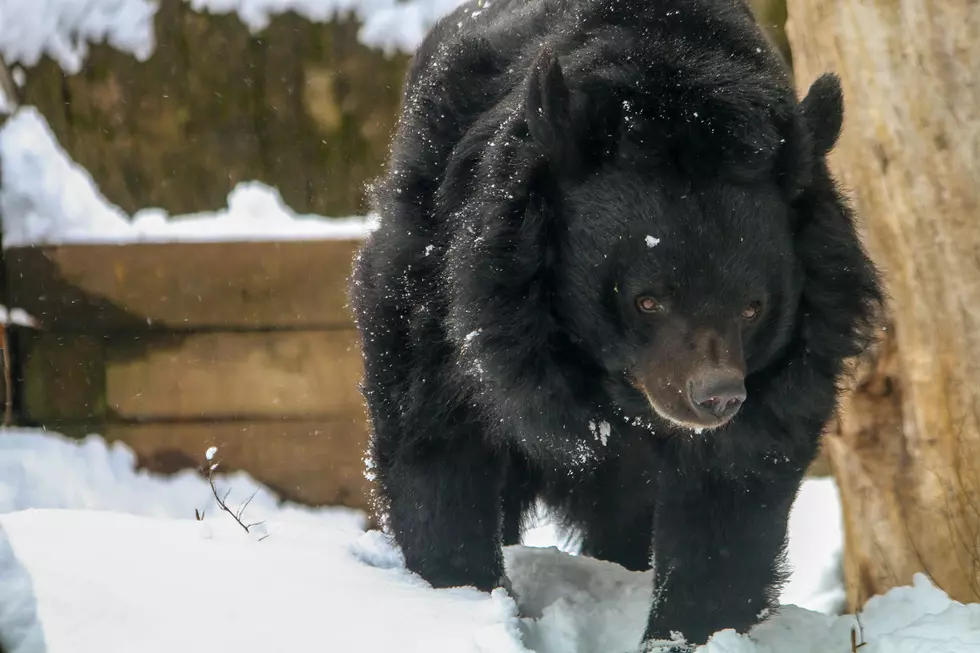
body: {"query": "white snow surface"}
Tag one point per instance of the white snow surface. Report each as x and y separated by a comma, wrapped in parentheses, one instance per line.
(96, 557)
(46, 198)
(390, 25)
(64, 29)
(17, 316)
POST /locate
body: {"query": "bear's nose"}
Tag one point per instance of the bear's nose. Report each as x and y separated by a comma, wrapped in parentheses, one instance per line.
(718, 394)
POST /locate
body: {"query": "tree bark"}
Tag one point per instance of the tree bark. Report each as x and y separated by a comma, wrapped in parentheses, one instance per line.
(301, 106)
(771, 16)
(907, 448)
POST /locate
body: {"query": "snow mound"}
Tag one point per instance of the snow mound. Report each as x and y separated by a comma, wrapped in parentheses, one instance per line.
(126, 583)
(814, 550)
(41, 470)
(48, 199)
(78, 575)
(46, 470)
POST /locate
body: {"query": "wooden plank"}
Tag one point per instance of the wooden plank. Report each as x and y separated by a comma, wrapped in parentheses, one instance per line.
(62, 377)
(234, 375)
(314, 462)
(184, 286)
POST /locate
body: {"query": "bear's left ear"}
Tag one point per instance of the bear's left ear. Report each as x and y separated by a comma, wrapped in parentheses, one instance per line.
(823, 113)
(547, 103)
(809, 132)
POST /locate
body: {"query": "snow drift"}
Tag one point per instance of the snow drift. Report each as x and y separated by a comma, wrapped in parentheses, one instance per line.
(97, 557)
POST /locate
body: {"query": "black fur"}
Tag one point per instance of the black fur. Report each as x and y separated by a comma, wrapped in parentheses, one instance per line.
(541, 143)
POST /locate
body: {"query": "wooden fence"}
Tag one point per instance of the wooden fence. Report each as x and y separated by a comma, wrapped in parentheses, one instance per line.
(172, 348)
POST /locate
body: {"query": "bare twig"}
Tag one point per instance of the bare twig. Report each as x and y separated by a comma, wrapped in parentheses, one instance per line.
(242, 507)
(223, 501)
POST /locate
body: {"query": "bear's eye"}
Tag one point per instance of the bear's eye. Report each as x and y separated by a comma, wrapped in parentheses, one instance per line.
(648, 304)
(751, 311)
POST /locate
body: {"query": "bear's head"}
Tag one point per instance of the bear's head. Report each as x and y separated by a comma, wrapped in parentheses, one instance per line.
(659, 245)
(681, 287)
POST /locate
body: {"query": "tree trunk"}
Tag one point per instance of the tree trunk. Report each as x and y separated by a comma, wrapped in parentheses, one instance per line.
(907, 449)
(771, 15)
(301, 106)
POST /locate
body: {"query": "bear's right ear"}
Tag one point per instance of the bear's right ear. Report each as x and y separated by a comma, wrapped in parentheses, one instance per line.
(547, 103)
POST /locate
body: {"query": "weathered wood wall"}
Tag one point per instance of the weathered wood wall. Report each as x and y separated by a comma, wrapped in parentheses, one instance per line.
(173, 348)
(301, 106)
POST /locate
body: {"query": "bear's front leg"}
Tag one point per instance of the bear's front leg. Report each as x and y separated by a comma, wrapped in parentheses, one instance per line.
(444, 510)
(718, 555)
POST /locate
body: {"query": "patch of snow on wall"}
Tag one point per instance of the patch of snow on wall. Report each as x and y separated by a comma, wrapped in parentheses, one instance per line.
(403, 25)
(390, 25)
(18, 317)
(63, 29)
(47, 199)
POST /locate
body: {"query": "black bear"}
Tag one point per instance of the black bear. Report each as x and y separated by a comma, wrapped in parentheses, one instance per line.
(613, 273)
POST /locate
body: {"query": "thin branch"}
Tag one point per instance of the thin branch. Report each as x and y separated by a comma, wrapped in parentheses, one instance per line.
(222, 501)
(241, 508)
(210, 465)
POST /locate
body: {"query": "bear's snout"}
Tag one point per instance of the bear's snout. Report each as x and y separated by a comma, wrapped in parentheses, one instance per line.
(716, 395)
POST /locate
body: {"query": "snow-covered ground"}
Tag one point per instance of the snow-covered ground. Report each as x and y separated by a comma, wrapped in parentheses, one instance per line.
(96, 557)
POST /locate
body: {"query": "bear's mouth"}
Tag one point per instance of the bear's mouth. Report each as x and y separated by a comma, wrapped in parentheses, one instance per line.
(682, 415)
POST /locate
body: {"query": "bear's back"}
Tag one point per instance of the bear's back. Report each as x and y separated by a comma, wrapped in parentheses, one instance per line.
(469, 77)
